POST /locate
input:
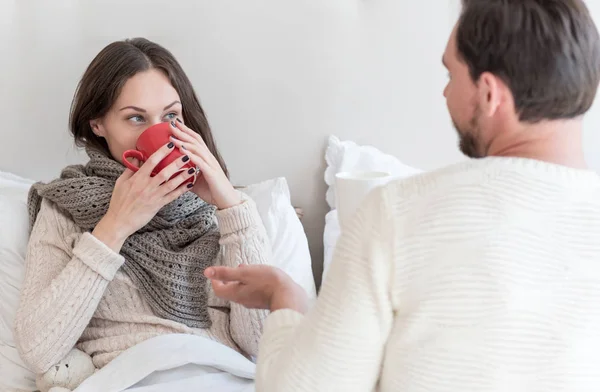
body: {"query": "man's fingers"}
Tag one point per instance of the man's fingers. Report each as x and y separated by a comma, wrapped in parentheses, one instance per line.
(224, 274)
(227, 290)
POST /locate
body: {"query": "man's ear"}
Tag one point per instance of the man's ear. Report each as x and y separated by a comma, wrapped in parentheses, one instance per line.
(490, 94)
(97, 128)
(493, 94)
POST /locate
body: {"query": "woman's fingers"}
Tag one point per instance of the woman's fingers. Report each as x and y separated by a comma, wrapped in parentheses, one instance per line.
(127, 174)
(196, 158)
(174, 194)
(193, 151)
(180, 135)
(187, 130)
(154, 159)
(185, 144)
(168, 172)
(174, 183)
(190, 138)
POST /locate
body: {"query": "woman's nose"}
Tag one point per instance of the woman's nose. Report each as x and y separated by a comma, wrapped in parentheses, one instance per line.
(156, 121)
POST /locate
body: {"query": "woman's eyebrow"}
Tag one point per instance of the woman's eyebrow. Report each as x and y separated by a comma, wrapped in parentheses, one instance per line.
(134, 108)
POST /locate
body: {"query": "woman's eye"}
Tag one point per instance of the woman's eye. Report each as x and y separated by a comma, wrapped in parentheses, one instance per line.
(171, 116)
(136, 118)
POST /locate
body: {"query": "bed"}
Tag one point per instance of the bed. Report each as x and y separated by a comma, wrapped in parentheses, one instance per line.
(290, 253)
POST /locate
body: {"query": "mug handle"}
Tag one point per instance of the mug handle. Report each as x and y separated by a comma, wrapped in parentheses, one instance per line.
(132, 154)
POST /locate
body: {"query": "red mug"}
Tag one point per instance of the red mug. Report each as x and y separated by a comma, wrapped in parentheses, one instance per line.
(151, 140)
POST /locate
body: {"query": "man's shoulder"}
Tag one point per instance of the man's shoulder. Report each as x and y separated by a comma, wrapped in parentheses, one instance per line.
(456, 175)
(510, 176)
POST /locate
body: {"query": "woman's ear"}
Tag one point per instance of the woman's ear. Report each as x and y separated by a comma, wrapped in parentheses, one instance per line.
(97, 128)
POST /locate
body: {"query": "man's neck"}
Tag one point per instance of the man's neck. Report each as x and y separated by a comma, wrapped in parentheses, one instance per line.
(558, 142)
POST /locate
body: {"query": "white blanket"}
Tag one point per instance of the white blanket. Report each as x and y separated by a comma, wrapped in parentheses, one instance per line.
(175, 363)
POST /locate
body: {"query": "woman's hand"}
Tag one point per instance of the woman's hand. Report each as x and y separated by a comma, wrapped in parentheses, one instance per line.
(212, 184)
(137, 197)
(258, 287)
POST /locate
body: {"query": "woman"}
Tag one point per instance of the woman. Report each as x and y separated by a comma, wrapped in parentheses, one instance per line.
(117, 257)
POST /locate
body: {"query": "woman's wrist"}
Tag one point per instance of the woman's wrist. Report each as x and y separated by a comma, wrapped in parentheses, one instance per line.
(110, 233)
(232, 199)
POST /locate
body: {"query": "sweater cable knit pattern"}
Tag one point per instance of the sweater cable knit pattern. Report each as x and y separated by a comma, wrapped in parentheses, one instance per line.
(76, 295)
(166, 259)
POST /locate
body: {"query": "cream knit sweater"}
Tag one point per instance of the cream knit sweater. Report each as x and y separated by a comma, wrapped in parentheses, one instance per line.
(484, 276)
(75, 295)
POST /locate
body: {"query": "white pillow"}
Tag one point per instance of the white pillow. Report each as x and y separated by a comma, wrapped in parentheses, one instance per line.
(14, 232)
(342, 156)
(285, 231)
(286, 234)
(330, 237)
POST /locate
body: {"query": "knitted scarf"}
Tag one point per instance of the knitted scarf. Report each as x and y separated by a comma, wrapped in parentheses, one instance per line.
(166, 258)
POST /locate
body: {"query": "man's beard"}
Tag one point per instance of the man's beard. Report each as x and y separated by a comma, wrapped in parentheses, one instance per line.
(470, 137)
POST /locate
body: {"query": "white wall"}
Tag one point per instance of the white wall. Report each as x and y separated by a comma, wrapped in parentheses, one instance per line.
(276, 77)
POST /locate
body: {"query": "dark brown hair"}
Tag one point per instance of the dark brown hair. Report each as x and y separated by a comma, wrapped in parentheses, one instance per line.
(546, 51)
(104, 78)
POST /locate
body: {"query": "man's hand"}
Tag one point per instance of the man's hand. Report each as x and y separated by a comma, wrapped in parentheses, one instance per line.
(258, 287)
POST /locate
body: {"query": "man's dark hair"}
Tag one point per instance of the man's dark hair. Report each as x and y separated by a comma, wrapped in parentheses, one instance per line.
(546, 51)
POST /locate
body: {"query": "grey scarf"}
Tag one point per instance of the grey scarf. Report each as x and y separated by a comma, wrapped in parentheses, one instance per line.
(166, 258)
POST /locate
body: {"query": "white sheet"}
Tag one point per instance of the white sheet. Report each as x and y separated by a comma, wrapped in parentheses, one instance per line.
(175, 363)
(272, 197)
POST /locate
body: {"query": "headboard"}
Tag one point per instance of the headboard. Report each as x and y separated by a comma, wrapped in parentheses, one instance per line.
(276, 78)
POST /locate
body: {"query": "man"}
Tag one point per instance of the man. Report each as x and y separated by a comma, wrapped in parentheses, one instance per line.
(482, 276)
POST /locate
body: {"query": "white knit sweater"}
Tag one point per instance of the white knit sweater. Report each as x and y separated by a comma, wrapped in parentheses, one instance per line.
(484, 276)
(75, 294)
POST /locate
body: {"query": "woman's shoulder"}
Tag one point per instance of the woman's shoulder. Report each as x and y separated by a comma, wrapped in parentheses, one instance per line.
(54, 221)
(50, 209)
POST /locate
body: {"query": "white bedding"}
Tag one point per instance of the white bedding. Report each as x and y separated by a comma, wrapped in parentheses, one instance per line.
(175, 363)
(286, 235)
